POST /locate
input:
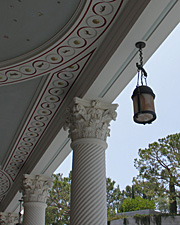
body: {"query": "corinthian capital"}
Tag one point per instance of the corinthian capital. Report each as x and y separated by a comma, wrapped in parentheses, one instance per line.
(35, 188)
(3, 217)
(8, 218)
(89, 119)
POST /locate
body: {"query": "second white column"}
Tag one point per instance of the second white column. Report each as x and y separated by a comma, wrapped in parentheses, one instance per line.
(88, 123)
(35, 192)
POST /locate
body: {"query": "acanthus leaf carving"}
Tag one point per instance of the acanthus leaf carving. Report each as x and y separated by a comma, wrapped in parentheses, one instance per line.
(35, 188)
(89, 119)
(8, 218)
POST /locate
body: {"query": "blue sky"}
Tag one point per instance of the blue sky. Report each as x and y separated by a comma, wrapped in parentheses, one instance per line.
(126, 138)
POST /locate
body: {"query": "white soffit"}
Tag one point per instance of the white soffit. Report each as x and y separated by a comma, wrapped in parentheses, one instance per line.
(154, 25)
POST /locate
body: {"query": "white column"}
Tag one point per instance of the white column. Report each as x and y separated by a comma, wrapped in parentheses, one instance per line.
(88, 124)
(7, 218)
(35, 192)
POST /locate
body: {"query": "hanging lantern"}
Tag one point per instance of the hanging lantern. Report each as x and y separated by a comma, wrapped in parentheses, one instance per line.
(143, 96)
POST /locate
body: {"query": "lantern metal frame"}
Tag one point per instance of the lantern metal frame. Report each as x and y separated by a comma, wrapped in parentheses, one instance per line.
(144, 112)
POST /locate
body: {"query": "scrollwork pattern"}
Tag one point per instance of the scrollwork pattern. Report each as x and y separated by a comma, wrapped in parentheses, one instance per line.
(63, 62)
(86, 31)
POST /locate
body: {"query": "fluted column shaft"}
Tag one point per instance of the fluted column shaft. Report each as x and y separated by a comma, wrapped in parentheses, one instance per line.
(34, 213)
(88, 202)
(35, 192)
(88, 124)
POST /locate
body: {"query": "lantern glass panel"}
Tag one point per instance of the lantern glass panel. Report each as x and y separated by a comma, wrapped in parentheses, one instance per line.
(144, 111)
(146, 103)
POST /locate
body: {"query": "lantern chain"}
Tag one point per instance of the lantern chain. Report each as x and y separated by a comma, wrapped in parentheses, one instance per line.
(141, 72)
(141, 57)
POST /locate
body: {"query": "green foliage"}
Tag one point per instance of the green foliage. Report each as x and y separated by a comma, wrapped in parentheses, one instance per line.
(159, 167)
(117, 217)
(58, 209)
(113, 195)
(138, 203)
(136, 190)
(58, 204)
(127, 193)
(163, 204)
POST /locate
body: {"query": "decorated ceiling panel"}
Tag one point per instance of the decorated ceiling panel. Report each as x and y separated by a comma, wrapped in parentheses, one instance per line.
(27, 25)
(63, 63)
(82, 37)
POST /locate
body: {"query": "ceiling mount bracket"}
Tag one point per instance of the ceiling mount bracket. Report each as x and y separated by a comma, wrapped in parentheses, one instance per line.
(140, 44)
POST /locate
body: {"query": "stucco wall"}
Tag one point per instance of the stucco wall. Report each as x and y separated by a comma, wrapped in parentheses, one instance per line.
(164, 221)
